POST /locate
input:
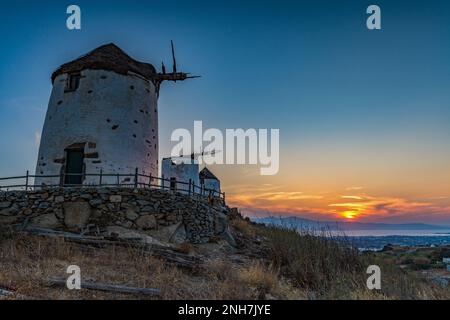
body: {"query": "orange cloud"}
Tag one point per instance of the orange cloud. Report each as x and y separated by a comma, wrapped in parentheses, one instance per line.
(352, 197)
(362, 207)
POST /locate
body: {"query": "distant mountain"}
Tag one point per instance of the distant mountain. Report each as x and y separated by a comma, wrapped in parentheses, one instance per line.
(296, 222)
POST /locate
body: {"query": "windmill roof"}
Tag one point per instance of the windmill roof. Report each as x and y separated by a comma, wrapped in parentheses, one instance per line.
(107, 57)
(206, 174)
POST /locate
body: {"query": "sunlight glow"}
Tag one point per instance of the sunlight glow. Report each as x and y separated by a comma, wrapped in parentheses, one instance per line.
(350, 214)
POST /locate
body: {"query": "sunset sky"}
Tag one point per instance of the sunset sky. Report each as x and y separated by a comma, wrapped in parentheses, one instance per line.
(364, 116)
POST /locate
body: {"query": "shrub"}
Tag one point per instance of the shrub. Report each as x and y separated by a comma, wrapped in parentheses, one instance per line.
(313, 260)
(265, 279)
(243, 226)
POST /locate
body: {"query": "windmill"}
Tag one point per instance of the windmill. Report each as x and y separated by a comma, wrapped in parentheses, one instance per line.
(171, 76)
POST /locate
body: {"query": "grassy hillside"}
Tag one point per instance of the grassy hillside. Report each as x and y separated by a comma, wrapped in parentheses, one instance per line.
(268, 263)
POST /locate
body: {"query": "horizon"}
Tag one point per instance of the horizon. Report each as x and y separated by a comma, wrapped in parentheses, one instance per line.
(350, 222)
(363, 115)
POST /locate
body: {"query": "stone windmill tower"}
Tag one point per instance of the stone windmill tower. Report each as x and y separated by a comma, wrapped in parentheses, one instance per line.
(102, 115)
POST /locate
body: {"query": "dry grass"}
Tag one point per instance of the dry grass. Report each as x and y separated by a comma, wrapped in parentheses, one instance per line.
(253, 281)
(244, 227)
(260, 276)
(312, 260)
(294, 266)
(397, 283)
(323, 268)
(26, 262)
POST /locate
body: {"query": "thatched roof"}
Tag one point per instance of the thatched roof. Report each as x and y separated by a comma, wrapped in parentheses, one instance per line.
(107, 57)
(206, 174)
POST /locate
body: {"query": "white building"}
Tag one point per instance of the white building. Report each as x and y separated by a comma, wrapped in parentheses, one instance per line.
(102, 115)
(177, 173)
(208, 180)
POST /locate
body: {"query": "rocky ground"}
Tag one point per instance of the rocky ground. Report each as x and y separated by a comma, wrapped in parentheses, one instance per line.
(221, 271)
(263, 263)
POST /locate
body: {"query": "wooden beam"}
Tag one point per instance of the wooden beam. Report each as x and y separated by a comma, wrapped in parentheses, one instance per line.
(107, 287)
(12, 294)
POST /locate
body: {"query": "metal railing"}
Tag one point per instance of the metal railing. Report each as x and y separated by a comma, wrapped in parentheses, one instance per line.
(132, 180)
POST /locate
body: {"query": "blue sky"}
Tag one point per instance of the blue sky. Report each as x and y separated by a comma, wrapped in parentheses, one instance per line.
(310, 68)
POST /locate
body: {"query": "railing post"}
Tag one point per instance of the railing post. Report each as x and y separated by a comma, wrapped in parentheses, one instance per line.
(223, 197)
(190, 182)
(26, 181)
(118, 180)
(150, 181)
(162, 181)
(136, 178)
(61, 178)
(101, 177)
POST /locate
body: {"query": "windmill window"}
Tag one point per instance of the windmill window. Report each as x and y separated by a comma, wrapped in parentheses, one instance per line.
(73, 82)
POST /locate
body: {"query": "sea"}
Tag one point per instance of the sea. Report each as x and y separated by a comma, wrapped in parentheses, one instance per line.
(377, 239)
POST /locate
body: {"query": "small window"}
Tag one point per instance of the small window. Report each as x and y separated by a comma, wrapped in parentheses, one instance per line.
(73, 82)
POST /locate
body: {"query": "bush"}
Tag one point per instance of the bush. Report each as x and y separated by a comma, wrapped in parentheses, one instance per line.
(313, 260)
(421, 263)
(244, 227)
(265, 279)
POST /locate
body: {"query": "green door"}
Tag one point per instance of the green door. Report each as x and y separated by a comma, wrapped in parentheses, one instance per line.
(74, 167)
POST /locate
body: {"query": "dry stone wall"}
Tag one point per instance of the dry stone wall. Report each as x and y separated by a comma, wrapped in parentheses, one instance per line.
(139, 209)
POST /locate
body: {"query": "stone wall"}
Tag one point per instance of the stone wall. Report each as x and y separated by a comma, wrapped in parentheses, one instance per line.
(146, 210)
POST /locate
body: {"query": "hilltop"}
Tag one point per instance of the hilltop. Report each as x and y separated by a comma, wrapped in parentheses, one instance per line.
(265, 263)
(297, 222)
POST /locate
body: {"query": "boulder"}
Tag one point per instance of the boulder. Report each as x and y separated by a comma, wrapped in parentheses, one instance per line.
(76, 214)
(131, 214)
(86, 196)
(126, 224)
(143, 203)
(124, 233)
(164, 233)
(48, 221)
(4, 205)
(59, 199)
(220, 223)
(148, 210)
(229, 237)
(96, 202)
(27, 211)
(115, 198)
(44, 205)
(4, 221)
(179, 235)
(9, 211)
(147, 222)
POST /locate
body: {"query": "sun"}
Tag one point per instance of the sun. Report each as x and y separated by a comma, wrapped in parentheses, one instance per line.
(350, 214)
